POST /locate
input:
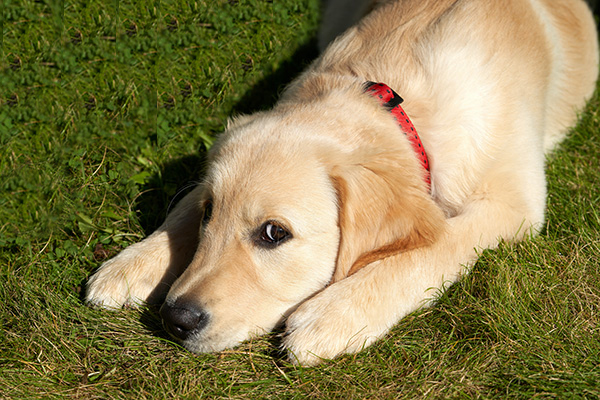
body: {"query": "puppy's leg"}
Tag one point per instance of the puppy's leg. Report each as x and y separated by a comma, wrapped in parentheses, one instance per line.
(144, 271)
(354, 312)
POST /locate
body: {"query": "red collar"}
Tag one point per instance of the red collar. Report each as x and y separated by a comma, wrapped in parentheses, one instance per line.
(390, 100)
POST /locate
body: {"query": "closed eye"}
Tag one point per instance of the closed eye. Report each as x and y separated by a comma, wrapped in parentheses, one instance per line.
(272, 234)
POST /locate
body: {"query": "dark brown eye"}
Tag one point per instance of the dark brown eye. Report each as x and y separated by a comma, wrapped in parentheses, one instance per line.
(272, 234)
(207, 212)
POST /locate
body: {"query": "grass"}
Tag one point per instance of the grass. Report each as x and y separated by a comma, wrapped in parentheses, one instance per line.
(106, 110)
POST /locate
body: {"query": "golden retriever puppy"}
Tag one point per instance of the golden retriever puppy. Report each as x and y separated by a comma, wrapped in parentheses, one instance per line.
(331, 215)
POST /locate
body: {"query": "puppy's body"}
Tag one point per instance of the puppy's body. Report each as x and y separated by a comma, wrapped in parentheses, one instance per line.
(490, 86)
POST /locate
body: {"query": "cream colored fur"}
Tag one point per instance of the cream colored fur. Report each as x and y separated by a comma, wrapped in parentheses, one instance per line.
(491, 86)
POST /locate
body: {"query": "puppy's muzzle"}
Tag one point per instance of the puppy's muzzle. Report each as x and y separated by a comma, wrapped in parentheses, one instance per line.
(183, 319)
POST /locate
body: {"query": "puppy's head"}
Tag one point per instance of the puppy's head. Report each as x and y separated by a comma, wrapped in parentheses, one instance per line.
(293, 202)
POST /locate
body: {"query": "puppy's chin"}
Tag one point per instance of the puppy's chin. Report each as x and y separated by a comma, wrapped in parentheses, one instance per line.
(215, 340)
(211, 344)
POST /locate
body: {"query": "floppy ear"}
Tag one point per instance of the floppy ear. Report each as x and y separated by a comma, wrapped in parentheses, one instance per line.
(384, 207)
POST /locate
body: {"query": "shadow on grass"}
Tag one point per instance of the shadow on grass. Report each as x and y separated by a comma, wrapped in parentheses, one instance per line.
(157, 197)
(155, 202)
(266, 92)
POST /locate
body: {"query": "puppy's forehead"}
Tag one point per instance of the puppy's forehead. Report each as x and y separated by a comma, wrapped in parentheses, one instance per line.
(270, 170)
(263, 156)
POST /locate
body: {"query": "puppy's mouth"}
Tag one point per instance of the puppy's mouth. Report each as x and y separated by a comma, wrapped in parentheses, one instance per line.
(190, 325)
(194, 327)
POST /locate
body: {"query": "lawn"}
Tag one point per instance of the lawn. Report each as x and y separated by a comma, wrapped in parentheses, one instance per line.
(106, 112)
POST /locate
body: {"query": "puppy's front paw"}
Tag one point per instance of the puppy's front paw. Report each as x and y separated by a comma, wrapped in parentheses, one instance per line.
(326, 326)
(116, 284)
(130, 278)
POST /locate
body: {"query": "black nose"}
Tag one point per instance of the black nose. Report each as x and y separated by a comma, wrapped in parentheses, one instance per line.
(183, 319)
